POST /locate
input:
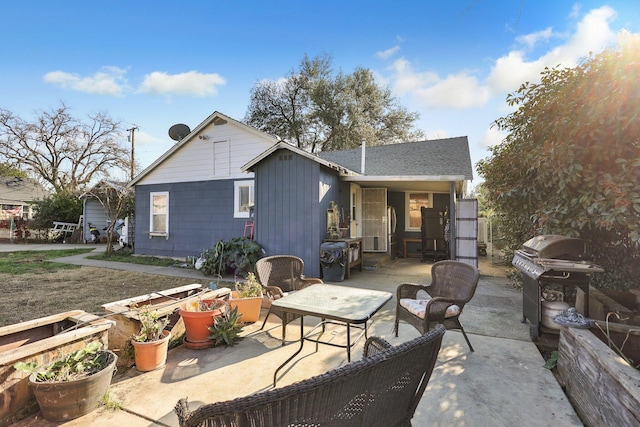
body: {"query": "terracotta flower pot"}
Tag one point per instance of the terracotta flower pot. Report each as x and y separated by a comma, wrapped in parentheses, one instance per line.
(197, 323)
(249, 308)
(151, 355)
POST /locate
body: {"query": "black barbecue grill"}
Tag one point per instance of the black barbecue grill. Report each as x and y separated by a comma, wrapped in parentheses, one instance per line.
(551, 261)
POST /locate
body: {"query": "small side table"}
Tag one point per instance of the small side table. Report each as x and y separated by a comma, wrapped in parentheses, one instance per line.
(407, 240)
(353, 244)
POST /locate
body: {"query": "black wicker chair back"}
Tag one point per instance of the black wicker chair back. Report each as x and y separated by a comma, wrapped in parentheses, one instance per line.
(382, 389)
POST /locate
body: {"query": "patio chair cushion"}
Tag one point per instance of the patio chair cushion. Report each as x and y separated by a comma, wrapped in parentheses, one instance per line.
(417, 307)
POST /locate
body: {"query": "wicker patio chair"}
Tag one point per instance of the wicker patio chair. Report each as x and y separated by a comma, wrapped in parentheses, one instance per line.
(382, 389)
(280, 274)
(453, 285)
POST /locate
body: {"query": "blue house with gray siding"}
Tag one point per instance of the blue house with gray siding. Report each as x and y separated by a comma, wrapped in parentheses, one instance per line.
(380, 191)
(202, 189)
(195, 194)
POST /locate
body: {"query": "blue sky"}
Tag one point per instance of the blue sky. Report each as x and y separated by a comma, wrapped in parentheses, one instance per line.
(153, 64)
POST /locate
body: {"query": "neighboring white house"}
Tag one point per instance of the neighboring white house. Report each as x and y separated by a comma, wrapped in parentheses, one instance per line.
(93, 212)
(18, 196)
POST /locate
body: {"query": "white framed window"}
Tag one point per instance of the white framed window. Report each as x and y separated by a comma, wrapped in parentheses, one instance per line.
(159, 214)
(413, 203)
(242, 198)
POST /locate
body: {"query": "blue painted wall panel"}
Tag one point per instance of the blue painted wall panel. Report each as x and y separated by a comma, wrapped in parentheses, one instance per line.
(290, 212)
(200, 214)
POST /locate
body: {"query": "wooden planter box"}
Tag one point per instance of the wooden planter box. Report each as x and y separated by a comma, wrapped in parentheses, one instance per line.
(605, 301)
(602, 387)
(41, 341)
(165, 302)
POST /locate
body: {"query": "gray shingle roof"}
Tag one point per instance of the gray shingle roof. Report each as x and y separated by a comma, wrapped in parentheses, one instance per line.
(19, 190)
(448, 156)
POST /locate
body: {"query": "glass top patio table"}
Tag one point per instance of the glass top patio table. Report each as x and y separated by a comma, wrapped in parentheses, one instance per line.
(342, 303)
(345, 305)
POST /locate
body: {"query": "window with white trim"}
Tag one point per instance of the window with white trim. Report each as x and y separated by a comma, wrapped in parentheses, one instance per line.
(159, 213)
(242, 198)
(413, 215)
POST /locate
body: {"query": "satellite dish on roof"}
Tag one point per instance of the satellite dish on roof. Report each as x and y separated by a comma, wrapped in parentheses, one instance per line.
(179, 131)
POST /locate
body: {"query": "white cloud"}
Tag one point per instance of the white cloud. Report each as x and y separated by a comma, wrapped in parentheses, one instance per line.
(592, 34)
(386, 54)
(464, 90)
(460, 90)
(189, 83)
(108, 81)
(406, 80)
(530, 40)
(491, 137)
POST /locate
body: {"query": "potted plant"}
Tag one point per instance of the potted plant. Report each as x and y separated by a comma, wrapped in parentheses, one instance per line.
(247, 298)
(198, 316)
(234, 256)
(73, 385)
(226, 328)
(151, 343)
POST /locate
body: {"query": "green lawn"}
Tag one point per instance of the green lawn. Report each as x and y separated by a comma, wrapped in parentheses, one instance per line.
(122, 256)
(36, 262)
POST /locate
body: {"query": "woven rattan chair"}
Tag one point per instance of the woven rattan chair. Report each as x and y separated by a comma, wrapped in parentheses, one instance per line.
(280, 274)
(382, 389)
(453, 285)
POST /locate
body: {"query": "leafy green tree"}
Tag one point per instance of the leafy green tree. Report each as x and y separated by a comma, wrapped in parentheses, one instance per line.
(319, 110)
(61, 151)
(57, 207)
(570, 163)
(6, 169)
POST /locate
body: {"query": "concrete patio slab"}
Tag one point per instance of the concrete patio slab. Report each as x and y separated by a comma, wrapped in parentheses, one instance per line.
(502, 383)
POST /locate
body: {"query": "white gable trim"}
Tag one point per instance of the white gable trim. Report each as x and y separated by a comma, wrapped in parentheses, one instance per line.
(216, 116)
(286, 146)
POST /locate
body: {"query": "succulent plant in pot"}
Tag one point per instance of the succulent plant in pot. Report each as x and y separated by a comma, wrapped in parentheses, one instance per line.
(226, 328)
(247, 298)
(198, 316)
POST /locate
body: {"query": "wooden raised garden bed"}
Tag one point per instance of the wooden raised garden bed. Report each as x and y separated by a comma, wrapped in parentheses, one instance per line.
(166, 302)
(603, 388)
(40, 341)
(605, 301)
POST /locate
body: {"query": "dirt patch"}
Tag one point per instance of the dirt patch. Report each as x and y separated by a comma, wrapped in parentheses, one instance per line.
(30, 296)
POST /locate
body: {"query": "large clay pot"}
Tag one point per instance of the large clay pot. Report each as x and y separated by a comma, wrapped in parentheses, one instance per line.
(197, 323)
(66, 400)
(249, 308)
(151, 355)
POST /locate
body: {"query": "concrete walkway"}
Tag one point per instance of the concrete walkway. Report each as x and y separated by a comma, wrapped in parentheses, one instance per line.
(502, 383)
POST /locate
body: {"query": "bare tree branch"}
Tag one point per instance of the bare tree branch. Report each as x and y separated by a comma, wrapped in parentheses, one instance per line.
(61, 151)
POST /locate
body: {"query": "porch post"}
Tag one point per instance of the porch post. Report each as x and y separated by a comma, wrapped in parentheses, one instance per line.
(452, 220)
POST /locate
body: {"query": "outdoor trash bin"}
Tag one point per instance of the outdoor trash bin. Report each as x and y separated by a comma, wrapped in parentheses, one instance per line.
(333, 260)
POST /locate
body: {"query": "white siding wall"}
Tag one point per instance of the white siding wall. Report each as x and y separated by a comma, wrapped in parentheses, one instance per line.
(195, 160)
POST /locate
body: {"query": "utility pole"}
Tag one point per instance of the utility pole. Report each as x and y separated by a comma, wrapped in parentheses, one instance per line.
(132, 139)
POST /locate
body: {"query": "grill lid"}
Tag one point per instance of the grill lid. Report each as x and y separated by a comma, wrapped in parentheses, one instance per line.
(550, 253)
(555, 246)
